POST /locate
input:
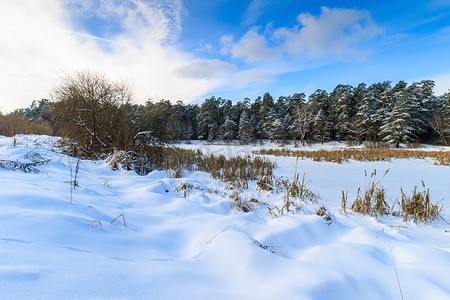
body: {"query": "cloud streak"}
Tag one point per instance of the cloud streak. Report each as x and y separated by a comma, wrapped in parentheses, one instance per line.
(254, 10)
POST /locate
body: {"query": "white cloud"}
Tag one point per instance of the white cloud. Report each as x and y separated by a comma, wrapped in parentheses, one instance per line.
(206, 69)
(254, 75)
(335, 32)
(253, 47)
(204, 47)
(226, 42)
(41, 41)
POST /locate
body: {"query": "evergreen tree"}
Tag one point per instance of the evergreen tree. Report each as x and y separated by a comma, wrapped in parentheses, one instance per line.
(398, 126)
(209, 119)
(229, 128)
(364, 118)
(278, 130)
(245, 129)
(342, 99)
(321, 126)
(255, 120)
(266, 116)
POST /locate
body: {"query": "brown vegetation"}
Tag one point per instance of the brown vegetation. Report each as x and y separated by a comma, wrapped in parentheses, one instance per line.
(94, 111)
(418, 206)
(372, 201)
(12, 124)
(339, 156)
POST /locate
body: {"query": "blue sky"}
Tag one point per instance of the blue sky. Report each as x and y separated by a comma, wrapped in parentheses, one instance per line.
(192, 49)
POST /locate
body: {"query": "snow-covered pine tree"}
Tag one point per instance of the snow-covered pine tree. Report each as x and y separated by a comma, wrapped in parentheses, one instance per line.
(229, 129)
(245, 128)
(265, 120)
(398, 126)
(254, 114)
(344, 127)
(268, 124)
(321, 128)
(284, 117)
(364, 119)
(278, 130)
(419, 108)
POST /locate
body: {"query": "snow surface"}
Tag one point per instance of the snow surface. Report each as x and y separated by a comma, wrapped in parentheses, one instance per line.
(194, 245)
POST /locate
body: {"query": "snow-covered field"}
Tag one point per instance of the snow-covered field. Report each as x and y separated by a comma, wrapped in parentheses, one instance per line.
(193, 245)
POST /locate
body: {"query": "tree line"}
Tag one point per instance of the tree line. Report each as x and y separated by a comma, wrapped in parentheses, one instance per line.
(99, 113)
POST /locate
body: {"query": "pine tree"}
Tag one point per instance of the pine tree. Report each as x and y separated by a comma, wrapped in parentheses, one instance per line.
(268, 124)
(341, 98)
(398, 126)
(245, 134)
(229, 129)
(321, 128)
(265, 122)
(364, 119)
(278, 130)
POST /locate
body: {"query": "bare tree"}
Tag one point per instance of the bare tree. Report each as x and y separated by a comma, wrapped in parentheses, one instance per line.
(302, 121)
(440, 125)
(94, 111)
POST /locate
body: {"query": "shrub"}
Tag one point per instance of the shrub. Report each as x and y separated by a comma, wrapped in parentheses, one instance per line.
(13, 124)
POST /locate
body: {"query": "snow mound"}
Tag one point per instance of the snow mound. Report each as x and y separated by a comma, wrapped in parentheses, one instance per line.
(152, 237)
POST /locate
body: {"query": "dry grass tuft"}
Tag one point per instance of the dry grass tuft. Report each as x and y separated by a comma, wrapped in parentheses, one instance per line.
(373, 200)
(297, 190)
(418, 206)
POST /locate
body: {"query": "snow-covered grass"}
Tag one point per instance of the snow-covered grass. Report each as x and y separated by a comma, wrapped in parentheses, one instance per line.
(183, 238)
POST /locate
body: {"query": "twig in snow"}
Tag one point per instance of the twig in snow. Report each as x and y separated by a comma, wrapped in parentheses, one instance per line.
(123, 218)
(95, 221)
(395, 267)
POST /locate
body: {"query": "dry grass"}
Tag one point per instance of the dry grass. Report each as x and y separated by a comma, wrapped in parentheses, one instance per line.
(98, 222)
(343, 208)
(296, 190)
(241, 204)
(235, 169)
(322, 211)
(418, 206)
(373, 200)
(339, 156)
(18, 166)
